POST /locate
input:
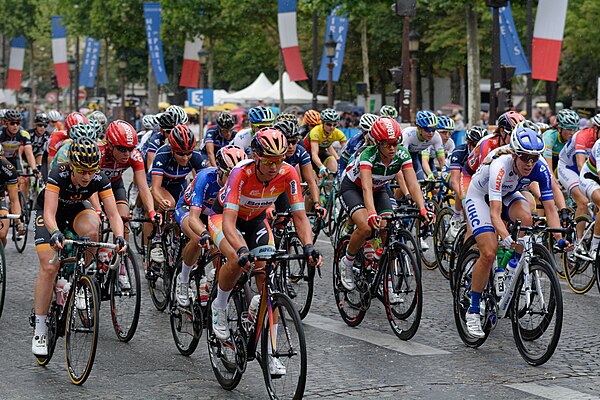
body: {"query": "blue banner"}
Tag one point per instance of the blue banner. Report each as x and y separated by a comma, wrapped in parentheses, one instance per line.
(338, 27)
(89, 66)
(153, 19)
(200, 97)
(511, 51)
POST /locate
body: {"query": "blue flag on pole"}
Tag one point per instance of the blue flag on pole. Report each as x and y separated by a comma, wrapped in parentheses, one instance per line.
(338, 26)
(153, 19)
(511, 51)
(89, 67)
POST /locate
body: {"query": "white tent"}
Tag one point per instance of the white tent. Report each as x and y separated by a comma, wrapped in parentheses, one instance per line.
(292, 93)
(218, 96)
(254, 92)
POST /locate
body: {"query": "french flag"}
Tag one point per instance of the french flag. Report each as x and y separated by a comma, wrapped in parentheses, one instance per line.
(547, 38)
(190, 71)
(15, 65)
(288, 37)
(59, 52)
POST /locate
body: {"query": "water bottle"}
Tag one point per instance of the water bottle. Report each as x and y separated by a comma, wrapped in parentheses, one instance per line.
(210, 278)
(508, 254)
(498, 279)
(500, 255)
(203, 291)
(368, 251)
(61, 294)
(511, 268)
(253, 309)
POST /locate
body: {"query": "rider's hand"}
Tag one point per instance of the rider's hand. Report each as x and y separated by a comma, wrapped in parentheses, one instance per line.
(508, 243)
(320, 211)
(270, 213)
(374, 220)
(155, 217)
(244, 258)
(205, 240)
(121, 244)
(36, 172)
(431, 177)
(427, 215)
(164, 205)
(57, 239)
(323, 171)
(314, 257)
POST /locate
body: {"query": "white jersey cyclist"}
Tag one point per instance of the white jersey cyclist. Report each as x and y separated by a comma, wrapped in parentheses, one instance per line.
(243, 140)
(588, 177)
(568, 170)
(413, 143)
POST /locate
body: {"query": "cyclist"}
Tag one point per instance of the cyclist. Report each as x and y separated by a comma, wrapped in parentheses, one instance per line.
(102, 121)
(252, 187)
(15, 140)
(217, 136)
(388, 111)
(320, 140)
(167, 121)
(182, 116)
(424, 135)
(311, 119)
(356, 142)
(75, 131)
(193, 209)
(55, 124)
(62, 206)
(555, 138)
(39, 141)
(57, 138)
(494, 196)
(590, 186)
(445, 127)
(259, 117)
(8, 183)
(363, 191)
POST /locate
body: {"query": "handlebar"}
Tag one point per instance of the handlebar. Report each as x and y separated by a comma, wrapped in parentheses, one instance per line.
(86, 243)
(10, 216)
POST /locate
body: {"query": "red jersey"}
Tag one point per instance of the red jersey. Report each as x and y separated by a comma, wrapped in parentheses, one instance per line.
(480, 152)
(113, 169)
(248, 197)
(57, 139)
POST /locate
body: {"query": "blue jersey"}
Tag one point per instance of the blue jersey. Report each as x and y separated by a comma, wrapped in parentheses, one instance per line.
(202, 191)
(458, 158)
(300, 156)
(156, 141)
(352, 145)
(213, 136)
(173, 174)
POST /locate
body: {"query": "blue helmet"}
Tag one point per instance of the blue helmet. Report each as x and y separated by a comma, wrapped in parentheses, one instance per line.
(445, 123)
(261, 115)
(427, 119)
(526, 141)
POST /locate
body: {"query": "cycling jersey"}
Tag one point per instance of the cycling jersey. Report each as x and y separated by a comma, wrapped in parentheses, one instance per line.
(300, 157)
(38, 143)
(143, 137)
(581, 143)
(553, 143)
(370, 159)
(113, 169)
(155, 142)
(353, 144)
(249, 197)
(413, 143)
(214, 136)
(62, 155)
(173, 174)
(318, 135)
(480, 152)
(243, 140)
(8, 175)
(430, 152)
(588, 178)
(57, 138)
(458, 158)
(11, 144)
(202, 191)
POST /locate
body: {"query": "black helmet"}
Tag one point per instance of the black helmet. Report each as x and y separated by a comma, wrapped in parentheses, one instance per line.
(289, 128)
(84, 153)
(13, 115)
(225, 121)
(169, 119)
(41, 119)
(476, 133)
(286, 117)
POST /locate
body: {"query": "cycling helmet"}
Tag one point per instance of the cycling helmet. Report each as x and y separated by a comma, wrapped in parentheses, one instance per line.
(225, 121)
(426, 119)
(526, 141)
(269, 142)
(445, 123)
(567, 119)
(385, 129)
(98, 116)
(312, 117)
(542, 126)
(529, 124)
(41, 119)
(289, 128)
(82, 130)
(228, 157)
(73, 119)
(84, 153)
(12, 115)
(121, 133)
(150, 122)
(182, 139)
(388, 111)
(181, 114)
(168, 120)
(98, 128)
(476, 133)
(509, 120)
(366, 121)
(261, 115)
(286, 117)
(54, 116)
(329, 115)
(595, 120)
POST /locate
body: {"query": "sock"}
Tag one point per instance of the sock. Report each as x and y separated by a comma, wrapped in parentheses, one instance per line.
(595, 241)
(475, 300)
(349, 256)
(222, 298)
(40, 325)
(185, 272)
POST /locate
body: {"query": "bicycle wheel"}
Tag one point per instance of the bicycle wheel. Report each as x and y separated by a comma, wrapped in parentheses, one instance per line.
(21, 240)
(2, 278)
(579, 270)
(159, 281)
(186, 322)
(136, 231)
(284, 341)
(352, 305)
(537, 317)
(125, 296)
(402, 291)
(81, 336)
(410, 241)
(442, 241)
(297, 278)
(425, 244)
(228, 358)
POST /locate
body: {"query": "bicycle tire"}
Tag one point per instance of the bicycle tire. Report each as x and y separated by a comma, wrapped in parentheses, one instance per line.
(21, 240)
(552, 309)
(442, 249)
(289, 332)
(297, 277)
(90, 318)
(159, 282)
(348, 300)
(410, 241)
(186, 340)
(427, 255)
(126, 323)
(580, 275)
(457, 246)
(404, 276)
(2, 278)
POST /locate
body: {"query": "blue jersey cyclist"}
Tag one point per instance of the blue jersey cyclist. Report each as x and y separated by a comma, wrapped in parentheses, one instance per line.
(168, 120)
(356, 142)
(193, 209)
(494, 196)
(216, 137)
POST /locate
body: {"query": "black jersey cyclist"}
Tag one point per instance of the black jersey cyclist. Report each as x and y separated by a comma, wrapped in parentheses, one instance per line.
(8, 183)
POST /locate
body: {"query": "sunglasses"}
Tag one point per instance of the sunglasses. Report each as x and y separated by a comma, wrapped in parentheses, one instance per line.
(182, 154)
(42, 125)
(388, 144)
(83, 171)
(123, 149)
(271, 161)
(292, 142)
(529, 158)
(14, 123)
(429, 130)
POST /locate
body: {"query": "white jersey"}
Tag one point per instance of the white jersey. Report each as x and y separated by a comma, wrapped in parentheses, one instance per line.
(449, 147)
(243, 139)
(411, 141)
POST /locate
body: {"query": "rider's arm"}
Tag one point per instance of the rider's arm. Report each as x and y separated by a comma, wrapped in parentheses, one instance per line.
(581, 159)
(425, 162)
(366, 179)
(158, 191)
(230, 231)
(50, 207)
(95, 201)
(410, 178)
(210, 151)
(150, 158)
(28, 150)
(402, 190)
(314, 154)
(455, 180)
(552, 216)
(311, 180)
(13, 196)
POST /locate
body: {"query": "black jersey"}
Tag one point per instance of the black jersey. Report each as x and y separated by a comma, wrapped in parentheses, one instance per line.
(11, 144)
(38, 143)
(8, 175)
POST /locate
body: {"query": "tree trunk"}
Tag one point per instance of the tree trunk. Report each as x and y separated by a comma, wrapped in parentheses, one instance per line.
(382, 83)
(431, 84)
(152, 90)
(365, 61)
(211, 63)
(473, 66)
(455, 86)
(33, 85)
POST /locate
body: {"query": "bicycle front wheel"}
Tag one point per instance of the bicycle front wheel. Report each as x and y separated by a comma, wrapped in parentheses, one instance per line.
(579, 271)
(283, 345)
(159, 280)
(126, 296)
(442, 241)
(2, 278)
(81, 336)
(21, 240)
(537, 314)
(297, 278)
(186, 322)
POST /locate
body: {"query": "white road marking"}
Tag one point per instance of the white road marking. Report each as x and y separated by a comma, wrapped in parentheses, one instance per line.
(386, 341)
(552, 392)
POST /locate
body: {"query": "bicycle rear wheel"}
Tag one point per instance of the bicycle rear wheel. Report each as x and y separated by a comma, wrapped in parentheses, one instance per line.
(350, 304)
(2, 278)
(579, 272)
(21, 240)
(186, 322)
(297, 278)
(442, 241)
(81, 336)
(126, 296)
(159, 280)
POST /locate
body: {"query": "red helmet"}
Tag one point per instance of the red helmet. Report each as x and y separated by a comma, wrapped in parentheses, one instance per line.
(509, 120)
(75, 118)
(121, 133)
(385, 128)
(227, 157)
(181, 139)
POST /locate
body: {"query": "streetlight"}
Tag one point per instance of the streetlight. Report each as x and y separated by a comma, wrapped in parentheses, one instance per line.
(71, 63)
(330, 46)
(122, 67)
(413, 49)
(396, 77)
(2, 72)
(202, 57)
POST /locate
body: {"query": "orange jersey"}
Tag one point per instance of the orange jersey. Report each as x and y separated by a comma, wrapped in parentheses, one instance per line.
(57, 138)
(480, 152)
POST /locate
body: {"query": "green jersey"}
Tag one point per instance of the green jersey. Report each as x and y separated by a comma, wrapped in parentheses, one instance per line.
(62, 154)
(371, 159)
(553, 142)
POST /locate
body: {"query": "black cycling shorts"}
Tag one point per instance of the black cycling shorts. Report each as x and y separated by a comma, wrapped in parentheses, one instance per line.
(118, 188)
(256, 233)
(65, 218)
(352, 198)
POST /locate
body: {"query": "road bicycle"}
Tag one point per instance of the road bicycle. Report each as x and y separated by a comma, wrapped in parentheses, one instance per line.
(3, 264)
